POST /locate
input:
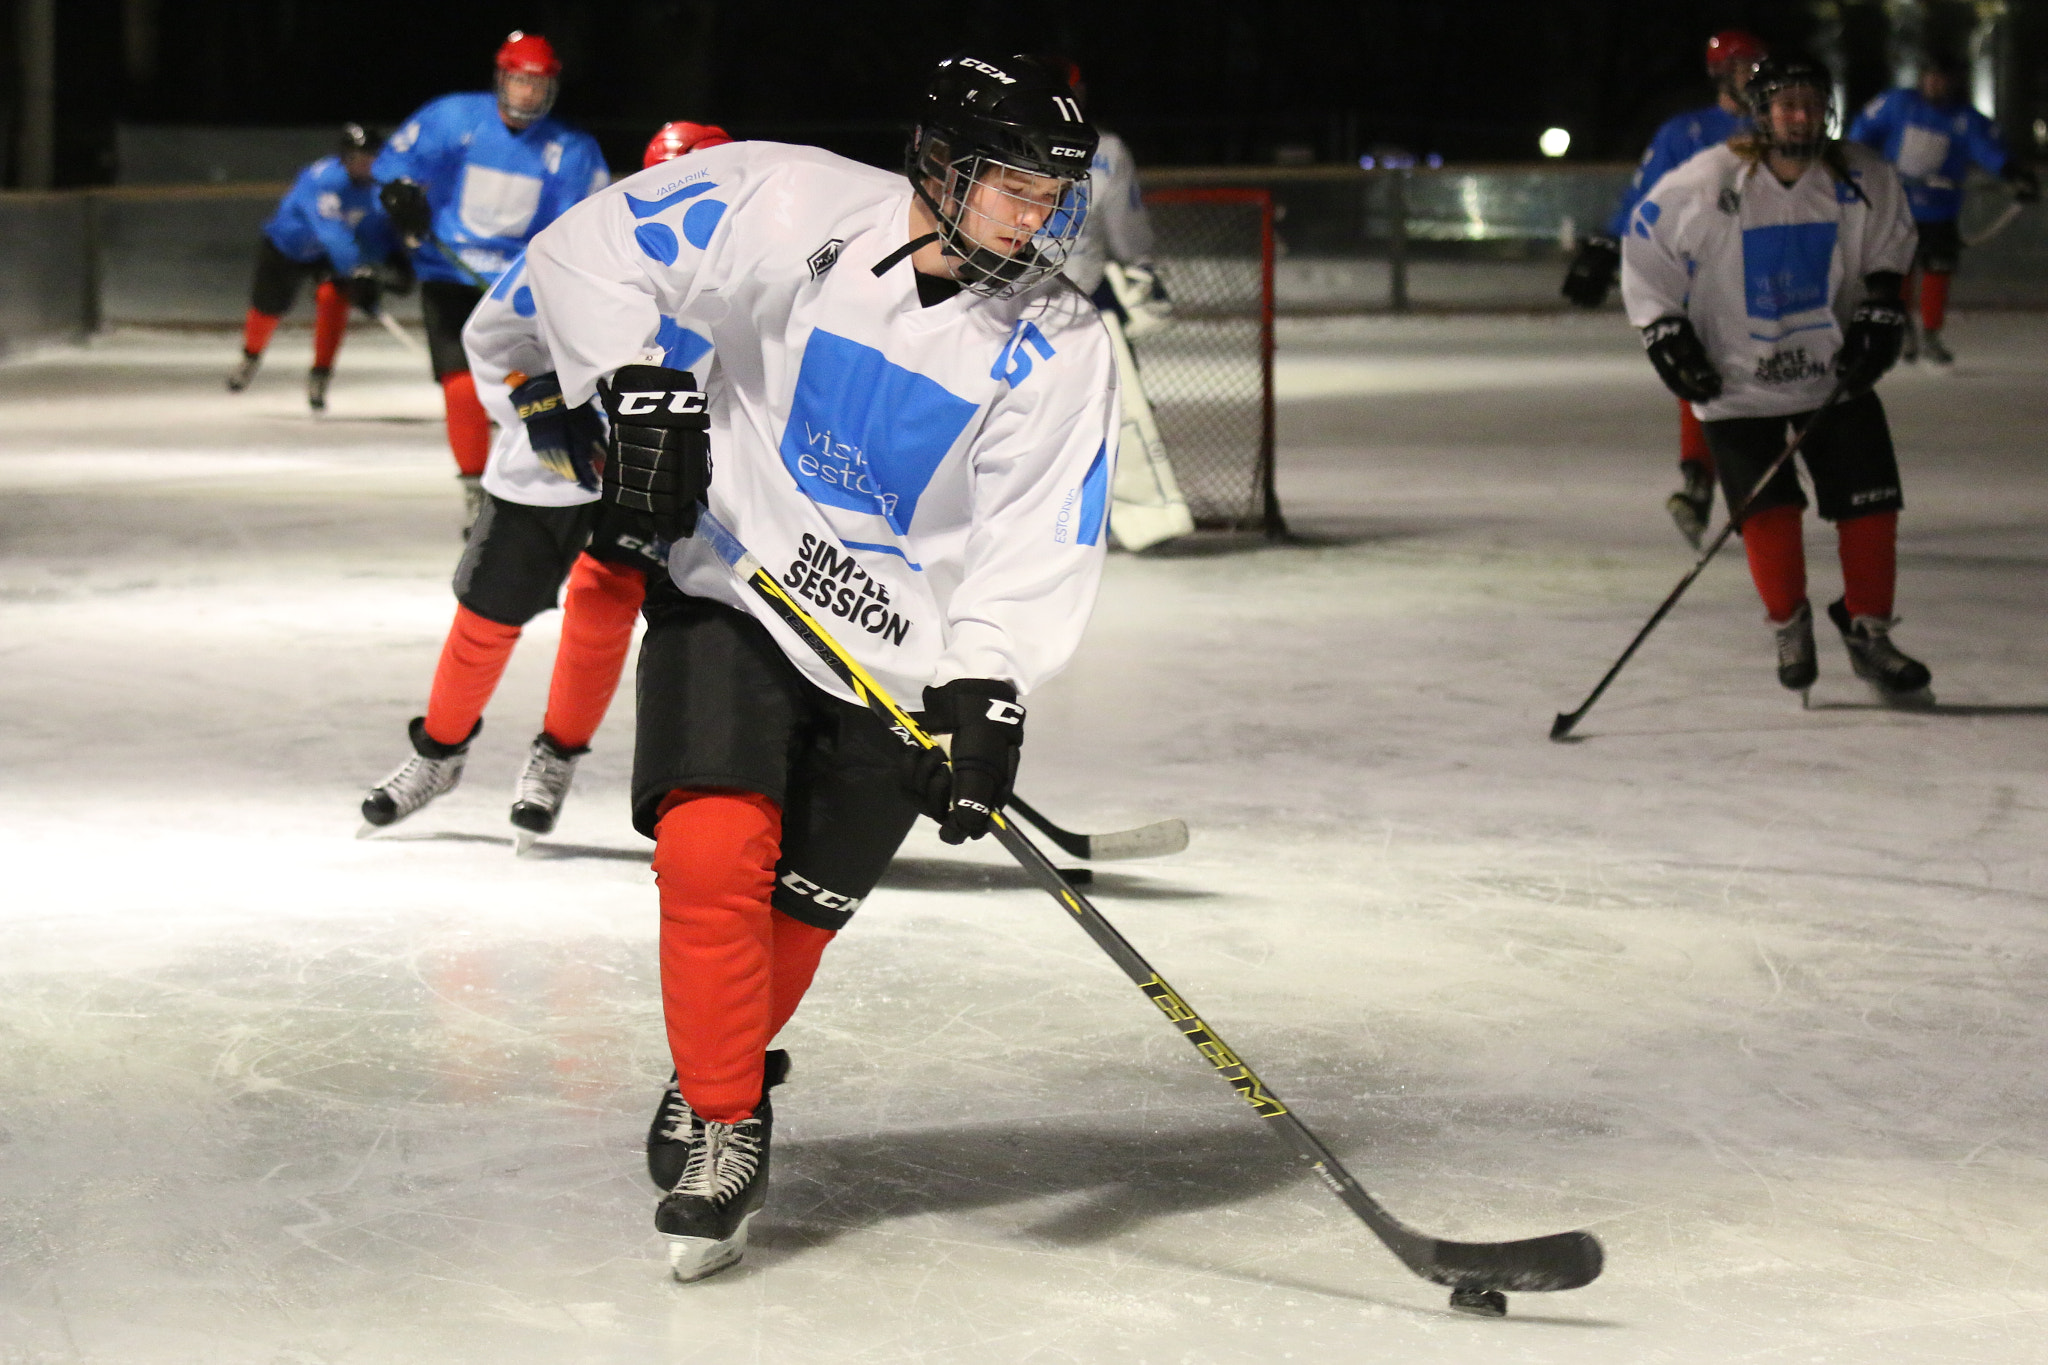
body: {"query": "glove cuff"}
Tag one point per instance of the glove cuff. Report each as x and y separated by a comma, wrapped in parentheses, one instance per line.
(947, 705)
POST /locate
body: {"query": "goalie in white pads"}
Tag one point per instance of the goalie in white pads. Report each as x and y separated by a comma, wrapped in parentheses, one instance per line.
(1112, 264)
(1764, 272)
(910, 419)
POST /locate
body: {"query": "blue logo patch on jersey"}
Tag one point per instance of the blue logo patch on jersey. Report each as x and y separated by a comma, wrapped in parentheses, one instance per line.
(1785, 268)
(1647, 212)
(658, 240)
(701, 221)
(522, 302)
(680, 347)
(1095, 496)
(866, 434)
(1013, 362)
(647, 208)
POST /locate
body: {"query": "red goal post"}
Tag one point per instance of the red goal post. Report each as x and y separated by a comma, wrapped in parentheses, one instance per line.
(1209, 375)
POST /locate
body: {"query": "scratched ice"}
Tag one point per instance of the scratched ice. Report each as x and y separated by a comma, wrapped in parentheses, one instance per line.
(1757, 995)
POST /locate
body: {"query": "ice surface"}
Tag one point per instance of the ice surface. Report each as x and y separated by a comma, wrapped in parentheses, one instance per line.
(1755, 994)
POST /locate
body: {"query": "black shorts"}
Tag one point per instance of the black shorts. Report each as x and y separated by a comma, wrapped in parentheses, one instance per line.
(512, 569)
(1849, 457)
(278, 278)
(719, 706)
(1941, 247)
(444, 307)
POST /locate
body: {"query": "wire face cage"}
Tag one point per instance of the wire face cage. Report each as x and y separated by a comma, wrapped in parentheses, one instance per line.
(1210, 375)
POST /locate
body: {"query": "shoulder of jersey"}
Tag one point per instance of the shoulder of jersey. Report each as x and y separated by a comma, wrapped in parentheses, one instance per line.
(1709, 167)
(817, 179)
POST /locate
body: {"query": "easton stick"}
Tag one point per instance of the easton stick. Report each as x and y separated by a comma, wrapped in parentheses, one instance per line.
(1146, 841)
(1476, 1272)
(1562, 726)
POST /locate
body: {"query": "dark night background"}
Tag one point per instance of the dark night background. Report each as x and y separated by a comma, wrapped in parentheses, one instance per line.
(1187, 81)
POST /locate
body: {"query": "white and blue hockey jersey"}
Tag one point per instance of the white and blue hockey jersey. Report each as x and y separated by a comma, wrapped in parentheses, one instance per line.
(1769, 274)
(502, 337)
(932, 483)
(1117, 228)
(327, 214)
(1678, 140)
(1932, 147)
(490, 189)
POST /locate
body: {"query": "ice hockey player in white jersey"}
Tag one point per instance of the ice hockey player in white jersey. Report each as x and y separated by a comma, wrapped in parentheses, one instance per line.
(1112, 264)
(910, 419)
(1763, 273)
(540, 522)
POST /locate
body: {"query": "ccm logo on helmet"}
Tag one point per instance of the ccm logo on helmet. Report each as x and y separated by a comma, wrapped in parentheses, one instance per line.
(1068, 151)
(985, 69)
(640, 404)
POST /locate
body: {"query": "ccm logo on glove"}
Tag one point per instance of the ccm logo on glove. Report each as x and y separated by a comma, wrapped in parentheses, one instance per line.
(643, 404)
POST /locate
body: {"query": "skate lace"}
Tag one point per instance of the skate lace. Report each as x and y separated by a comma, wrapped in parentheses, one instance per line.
(724, 1160)
(419, 780)
(675, 1115)
(546, 778)
(1792, 645)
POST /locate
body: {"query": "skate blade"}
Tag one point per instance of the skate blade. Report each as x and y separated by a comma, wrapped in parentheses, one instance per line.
(369, 829)
(694, 1258)
(1806, 699)
(522, 840)
(1921, 700)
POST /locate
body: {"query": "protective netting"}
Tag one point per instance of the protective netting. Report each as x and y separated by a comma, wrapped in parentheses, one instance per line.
(1209, 375)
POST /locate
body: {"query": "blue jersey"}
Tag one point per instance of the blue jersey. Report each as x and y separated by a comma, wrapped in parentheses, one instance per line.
(490, 189)
(1683, 137)
(1931, 146)
(327, 214)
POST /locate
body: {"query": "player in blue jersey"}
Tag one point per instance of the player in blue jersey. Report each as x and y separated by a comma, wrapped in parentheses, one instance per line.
(1731, 55)
(468, 180)
(1932, 137)
(330, 227)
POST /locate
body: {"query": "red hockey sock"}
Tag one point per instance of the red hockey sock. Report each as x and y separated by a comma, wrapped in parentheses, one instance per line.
(1692, 439)
(597, 630)
(714, 860)
(469, 429)
(1777, 559)
(1934, 301)
(256, 330)
(330, 324)
(798, 946)
(1869, 548)
(472, 661)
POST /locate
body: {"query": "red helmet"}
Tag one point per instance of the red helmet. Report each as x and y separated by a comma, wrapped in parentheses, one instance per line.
(680, 139)
(529, 54)
(1732, 49)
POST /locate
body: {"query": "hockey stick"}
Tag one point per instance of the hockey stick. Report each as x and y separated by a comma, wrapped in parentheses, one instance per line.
(392, 325)
(1476, 1272)
(448, 255)
(1146, 841)
(1998, 225)
(1562, 726)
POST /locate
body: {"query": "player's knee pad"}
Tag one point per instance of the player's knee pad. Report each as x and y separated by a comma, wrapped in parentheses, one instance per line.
(716, 851)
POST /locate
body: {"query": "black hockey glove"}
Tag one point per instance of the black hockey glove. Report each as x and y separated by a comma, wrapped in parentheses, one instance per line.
(660, 462)
(1592, 271)
(1681, 360)
(405, 203)
(569, 441)
(2026, 189)
(987, 725)
(1877, 332)
(365, 290)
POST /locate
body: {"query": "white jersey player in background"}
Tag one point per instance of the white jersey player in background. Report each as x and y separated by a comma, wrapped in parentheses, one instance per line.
(910, 418)
(1112, 264)
(1763, 273)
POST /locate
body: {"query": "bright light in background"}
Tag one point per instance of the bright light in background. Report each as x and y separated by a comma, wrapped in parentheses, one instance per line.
(1554, 142)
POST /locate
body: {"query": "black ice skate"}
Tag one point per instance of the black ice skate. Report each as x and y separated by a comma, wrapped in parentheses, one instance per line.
(432, 771)
(1936, 351)
(668, 1137)
(316, 388)
(1899, 679)
(472, 500)
(543, 786)
(724, 1183)
(1691, 505)
(239, 378)
(1798, 665)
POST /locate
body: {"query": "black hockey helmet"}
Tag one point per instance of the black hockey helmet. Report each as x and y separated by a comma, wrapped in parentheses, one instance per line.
(984, 113)
(1778, 73)
(357, 140)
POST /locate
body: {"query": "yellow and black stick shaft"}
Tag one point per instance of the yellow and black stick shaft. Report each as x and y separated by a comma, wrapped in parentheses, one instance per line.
(1561, 1261)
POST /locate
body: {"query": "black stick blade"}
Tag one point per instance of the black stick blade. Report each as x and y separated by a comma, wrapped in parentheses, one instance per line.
(1562, 726)
(1563, 1260)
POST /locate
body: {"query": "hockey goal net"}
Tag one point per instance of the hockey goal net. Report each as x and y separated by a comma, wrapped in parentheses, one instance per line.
(1210, 375)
